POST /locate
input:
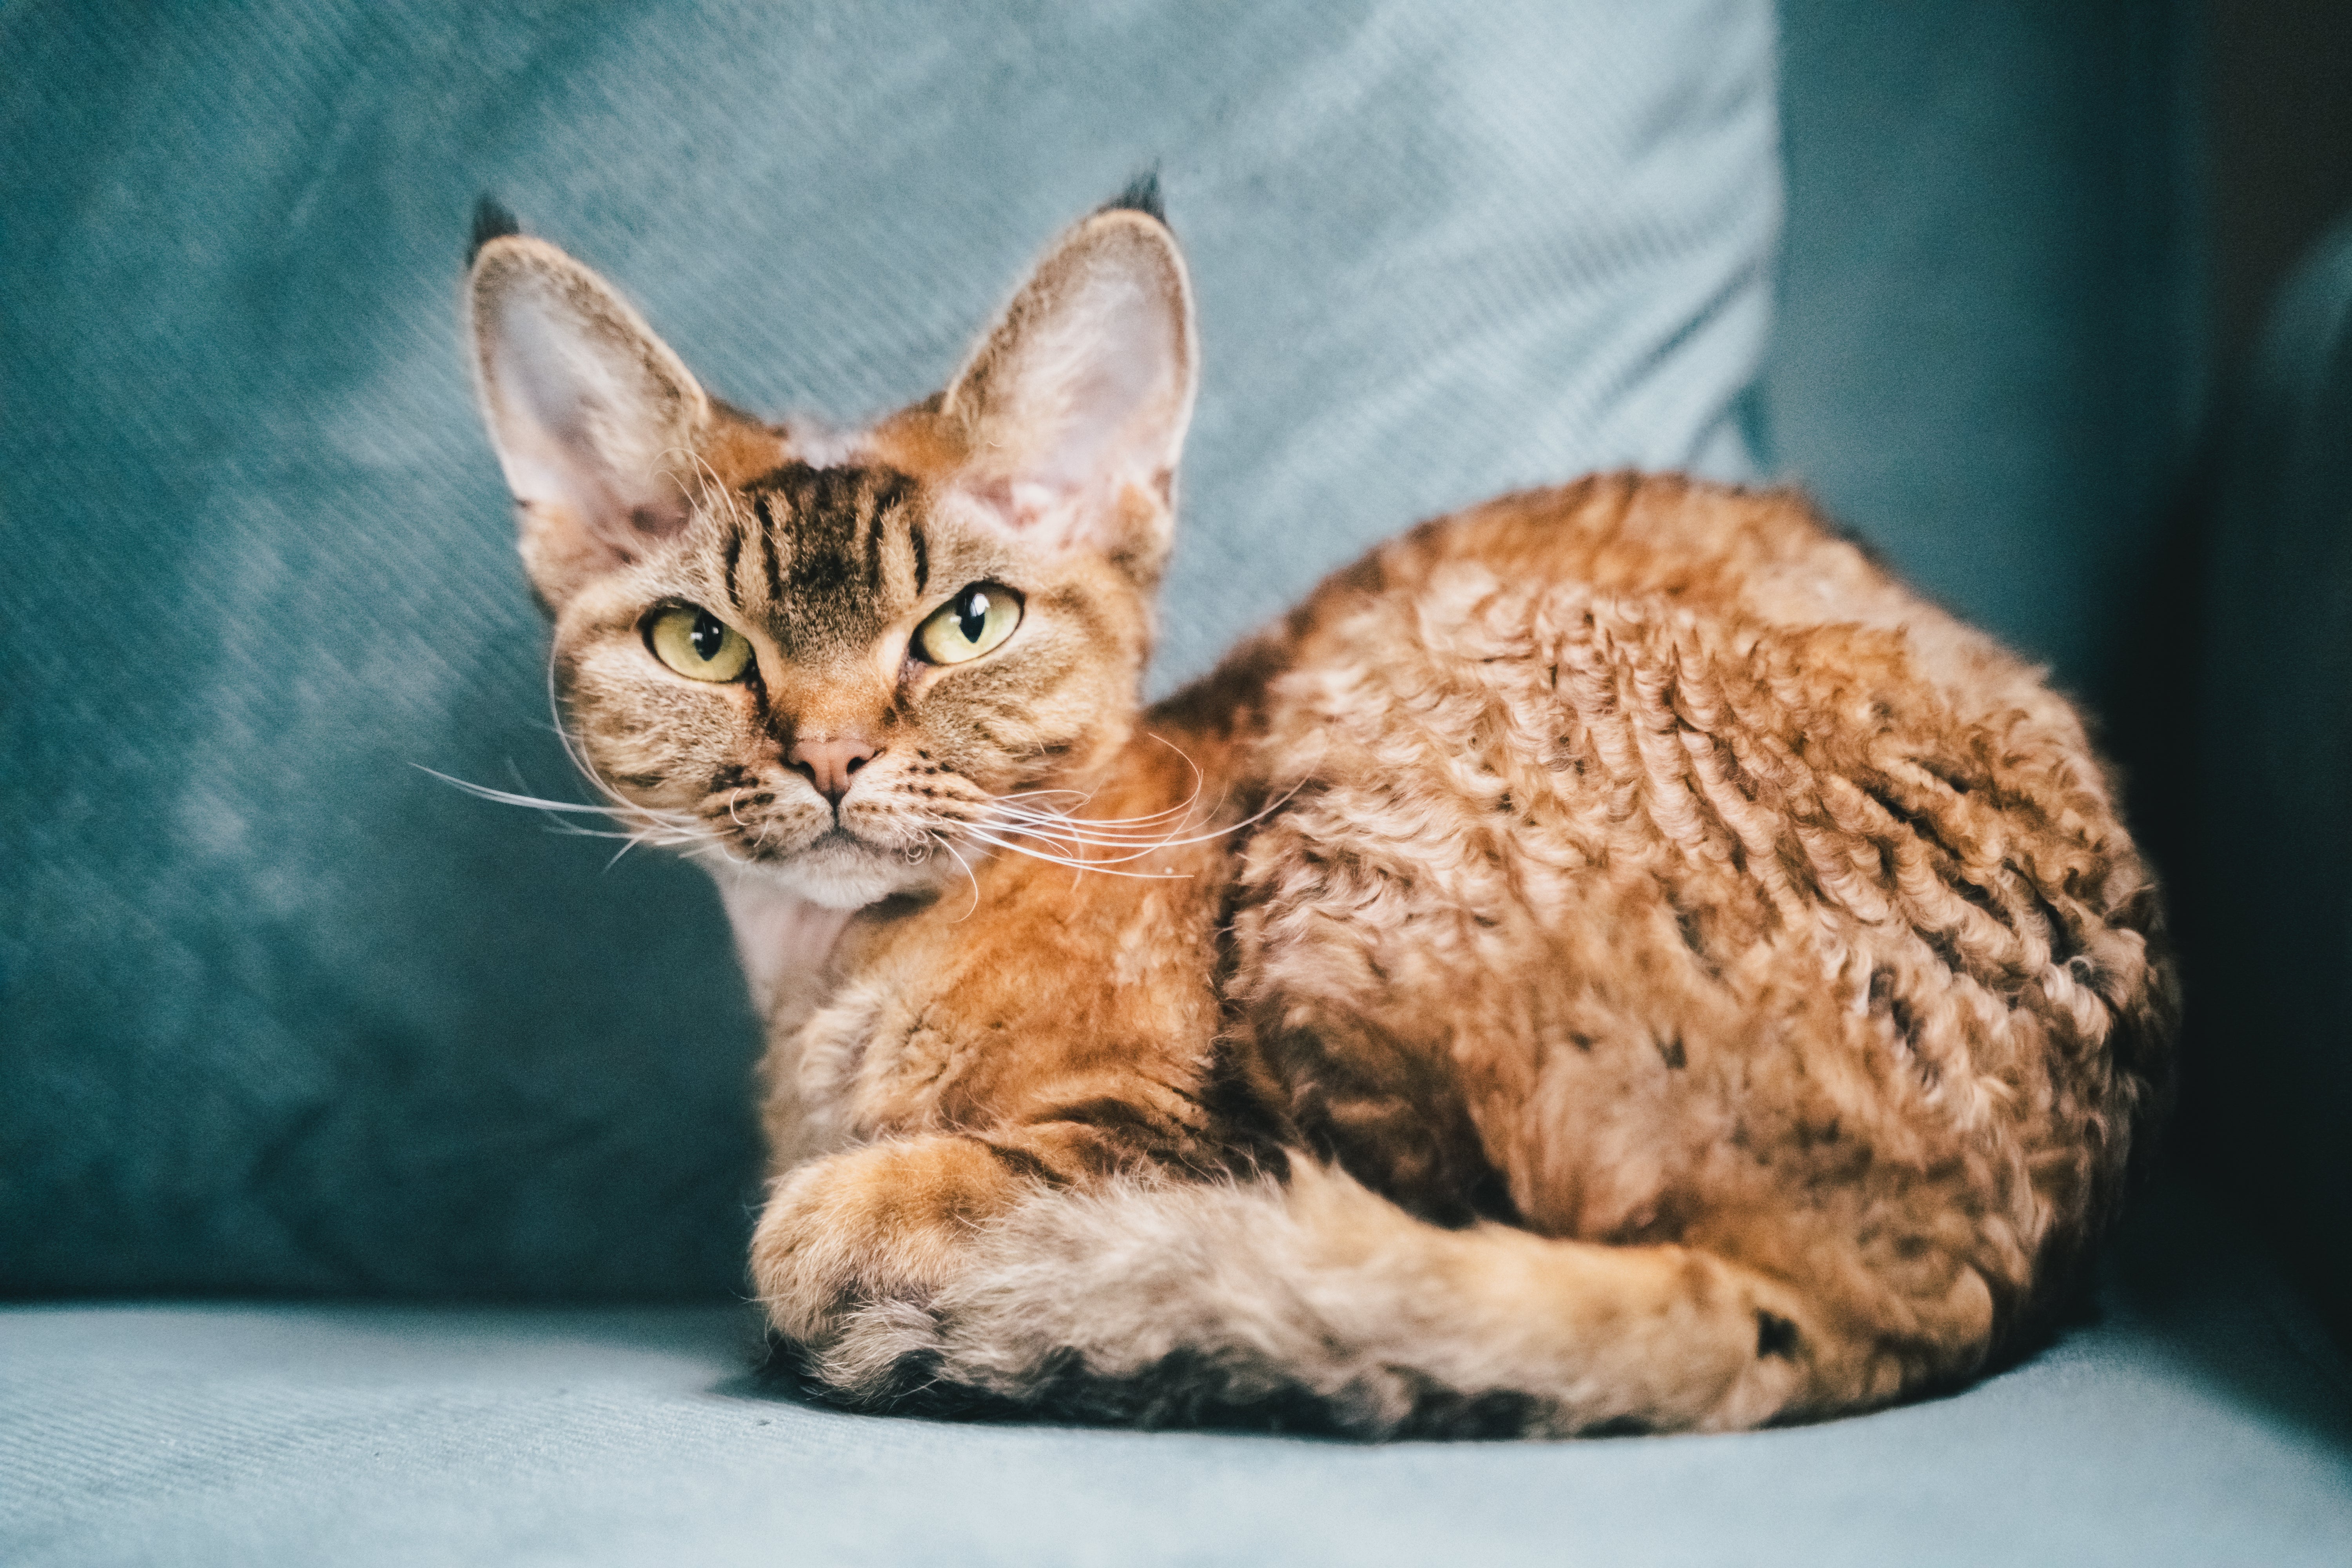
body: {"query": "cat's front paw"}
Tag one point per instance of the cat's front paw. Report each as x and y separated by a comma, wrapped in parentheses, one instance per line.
(878, 1227)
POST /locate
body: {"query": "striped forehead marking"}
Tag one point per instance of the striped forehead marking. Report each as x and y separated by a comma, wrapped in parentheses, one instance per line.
(821, 532)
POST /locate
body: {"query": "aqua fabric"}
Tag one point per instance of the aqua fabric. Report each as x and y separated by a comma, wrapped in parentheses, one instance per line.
(279, 1014)
(2200, 1420)
(1988, 354)
(2272, 900)
(283, 1012)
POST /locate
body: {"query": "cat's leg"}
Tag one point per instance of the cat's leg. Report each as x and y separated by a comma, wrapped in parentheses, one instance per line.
(871, 1237)
(882, 1223)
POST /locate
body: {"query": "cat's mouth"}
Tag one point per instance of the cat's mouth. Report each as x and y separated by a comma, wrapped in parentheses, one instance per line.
(836, 867)
(834, 841)
(895, 832)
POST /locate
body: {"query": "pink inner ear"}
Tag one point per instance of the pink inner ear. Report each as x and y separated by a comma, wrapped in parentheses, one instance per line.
(582, 424)
(1033, 505)
(656, 520)
(1099, 395)
(1049, 516)
(1095, 401)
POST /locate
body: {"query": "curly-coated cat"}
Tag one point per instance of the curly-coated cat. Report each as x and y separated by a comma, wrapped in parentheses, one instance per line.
(1612, 959)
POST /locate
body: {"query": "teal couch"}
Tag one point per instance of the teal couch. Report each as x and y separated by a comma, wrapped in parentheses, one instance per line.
(374, 1167)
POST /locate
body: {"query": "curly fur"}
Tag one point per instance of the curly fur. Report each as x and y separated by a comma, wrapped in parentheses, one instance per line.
(1612, 959)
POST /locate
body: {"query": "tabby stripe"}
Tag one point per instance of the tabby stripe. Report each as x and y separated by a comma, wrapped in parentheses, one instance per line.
(1021, 1163)
(734, 553)
(873, 546)
(1117, 1121)
(922, 554)
(773, 566)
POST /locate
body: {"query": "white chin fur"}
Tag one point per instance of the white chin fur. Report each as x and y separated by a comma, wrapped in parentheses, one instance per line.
(842, 876)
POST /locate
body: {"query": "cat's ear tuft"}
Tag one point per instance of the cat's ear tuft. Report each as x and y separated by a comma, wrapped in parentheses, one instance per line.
(1074, 407)
(594, 419)
(1142, 195)
(491, 221)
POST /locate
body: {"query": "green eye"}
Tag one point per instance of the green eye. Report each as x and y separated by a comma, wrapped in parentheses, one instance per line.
(977, 619)
(698, 644)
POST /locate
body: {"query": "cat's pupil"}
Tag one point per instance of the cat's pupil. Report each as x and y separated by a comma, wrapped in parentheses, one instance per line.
(973, 619)
(708, 637)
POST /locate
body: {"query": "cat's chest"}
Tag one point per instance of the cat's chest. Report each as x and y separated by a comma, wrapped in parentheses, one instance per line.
(1062, 1003)
(785, 942)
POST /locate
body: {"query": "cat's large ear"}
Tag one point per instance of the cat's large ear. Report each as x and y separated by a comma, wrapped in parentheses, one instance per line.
(594, 418)
(1074, 407)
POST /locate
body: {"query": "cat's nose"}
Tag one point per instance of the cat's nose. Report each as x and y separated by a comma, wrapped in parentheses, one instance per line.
(828, 761)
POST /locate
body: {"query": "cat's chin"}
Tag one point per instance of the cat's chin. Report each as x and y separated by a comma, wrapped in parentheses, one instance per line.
(839, 872)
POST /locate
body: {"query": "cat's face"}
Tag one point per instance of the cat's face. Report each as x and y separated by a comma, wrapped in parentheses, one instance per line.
(836, 673)
(847, 664)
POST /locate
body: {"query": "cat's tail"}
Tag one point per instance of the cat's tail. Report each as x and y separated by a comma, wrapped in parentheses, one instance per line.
(1313, 1304)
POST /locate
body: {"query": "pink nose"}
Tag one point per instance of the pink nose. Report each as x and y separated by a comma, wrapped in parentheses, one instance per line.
(827, 761)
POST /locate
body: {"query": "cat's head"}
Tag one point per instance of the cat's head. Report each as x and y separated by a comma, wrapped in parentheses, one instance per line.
(842, 660)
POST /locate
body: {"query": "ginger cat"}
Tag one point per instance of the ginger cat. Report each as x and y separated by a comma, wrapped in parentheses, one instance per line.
(1612, 959)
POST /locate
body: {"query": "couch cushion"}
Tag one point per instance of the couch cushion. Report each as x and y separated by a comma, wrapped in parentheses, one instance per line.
(2201, 1419)
(2272, 903)
(1987, 358)
(283, 1012)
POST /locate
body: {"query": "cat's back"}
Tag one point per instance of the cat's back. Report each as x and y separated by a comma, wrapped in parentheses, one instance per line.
(1654, 817)
(1663, 675)
(1705, 554)
(1677, 604)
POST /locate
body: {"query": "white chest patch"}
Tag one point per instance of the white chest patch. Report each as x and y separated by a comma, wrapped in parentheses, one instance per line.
(783, 940)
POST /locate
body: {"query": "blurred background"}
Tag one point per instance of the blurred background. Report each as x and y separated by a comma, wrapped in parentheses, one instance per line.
(2275, 78)
(376, 1166)
(2001, 283)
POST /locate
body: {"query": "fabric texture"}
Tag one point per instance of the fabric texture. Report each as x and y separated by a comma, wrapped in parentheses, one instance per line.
(2272, 899)
(280, 1013)
(283, 1010)
(1986, 359)
(2200, 1419)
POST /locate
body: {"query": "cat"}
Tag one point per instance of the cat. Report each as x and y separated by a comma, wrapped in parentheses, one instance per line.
(1611, 959)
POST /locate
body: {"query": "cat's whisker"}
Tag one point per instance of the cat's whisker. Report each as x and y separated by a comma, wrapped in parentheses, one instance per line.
(652, 826)
(1068, 836)
(709, 486)
(1087, 827)
(1061, 833)
(673, 830)
(947, 844)
(1138, 847)
(509, 798)
(1017, 805)
(579, 755)
(1118, 832)
(661, 835)
(1068, 847)
(1181, 809)
(1108, 867)
(1024, 799)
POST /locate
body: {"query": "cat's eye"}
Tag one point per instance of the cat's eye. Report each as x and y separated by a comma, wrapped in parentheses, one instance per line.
(978, 618)
(698, 644)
